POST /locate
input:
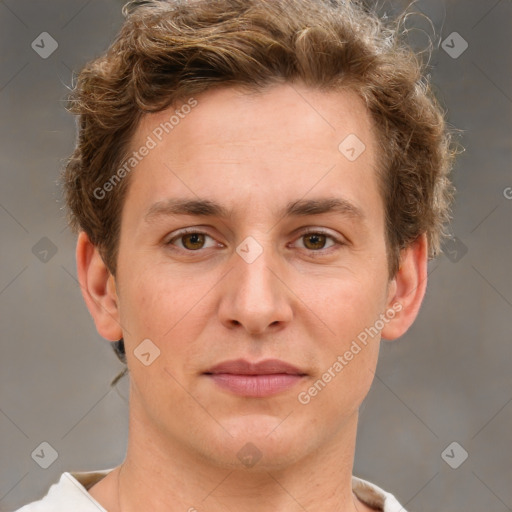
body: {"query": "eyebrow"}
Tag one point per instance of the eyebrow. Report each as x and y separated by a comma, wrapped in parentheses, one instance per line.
(209, 208)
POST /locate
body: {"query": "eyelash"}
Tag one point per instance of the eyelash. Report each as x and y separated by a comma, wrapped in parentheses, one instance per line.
(310, 231)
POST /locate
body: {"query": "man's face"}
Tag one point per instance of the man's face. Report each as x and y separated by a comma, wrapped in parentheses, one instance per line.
(253, 285)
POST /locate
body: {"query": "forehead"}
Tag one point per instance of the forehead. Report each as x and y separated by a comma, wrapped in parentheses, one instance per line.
(232, 115)
(241, 146)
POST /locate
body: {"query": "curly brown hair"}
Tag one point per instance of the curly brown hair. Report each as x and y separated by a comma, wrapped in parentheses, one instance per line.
(167, 51)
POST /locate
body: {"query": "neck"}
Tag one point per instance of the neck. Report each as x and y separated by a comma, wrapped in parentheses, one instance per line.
(161, 474)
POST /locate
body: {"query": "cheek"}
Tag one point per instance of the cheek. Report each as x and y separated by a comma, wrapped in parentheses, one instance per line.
(351, 309)
(153, 300)
(170, 311)
(143, 308)
(349, 360)
(350, 304)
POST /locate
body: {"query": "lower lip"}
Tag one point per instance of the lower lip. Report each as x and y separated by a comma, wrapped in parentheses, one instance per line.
(255, 385)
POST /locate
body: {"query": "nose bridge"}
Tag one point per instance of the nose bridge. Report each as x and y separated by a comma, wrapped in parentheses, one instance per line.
(254, 257)
(255, 297)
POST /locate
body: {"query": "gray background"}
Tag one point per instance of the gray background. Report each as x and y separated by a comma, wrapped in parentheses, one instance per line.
(448, 379)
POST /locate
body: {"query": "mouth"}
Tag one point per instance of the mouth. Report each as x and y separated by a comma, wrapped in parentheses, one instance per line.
(257, 380)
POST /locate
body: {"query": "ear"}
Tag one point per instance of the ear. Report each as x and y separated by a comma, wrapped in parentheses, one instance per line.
(407, 289)
(98, 289)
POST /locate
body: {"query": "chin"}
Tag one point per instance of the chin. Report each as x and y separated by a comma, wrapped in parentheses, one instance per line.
(259, 442)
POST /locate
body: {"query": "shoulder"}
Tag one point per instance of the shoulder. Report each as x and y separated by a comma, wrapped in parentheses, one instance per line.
(375, 497)
(69, 493)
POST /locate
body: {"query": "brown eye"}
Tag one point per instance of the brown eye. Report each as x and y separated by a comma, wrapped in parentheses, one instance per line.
(193, 241)
(316, 241)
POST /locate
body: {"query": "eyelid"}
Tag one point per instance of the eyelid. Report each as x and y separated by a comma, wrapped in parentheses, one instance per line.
(312, 229)
(176, 235)
(338, 240)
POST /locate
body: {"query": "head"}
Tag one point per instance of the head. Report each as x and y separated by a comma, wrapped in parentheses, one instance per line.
(265, 117)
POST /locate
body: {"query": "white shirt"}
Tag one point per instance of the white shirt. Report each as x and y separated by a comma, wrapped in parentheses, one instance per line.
(70, 493)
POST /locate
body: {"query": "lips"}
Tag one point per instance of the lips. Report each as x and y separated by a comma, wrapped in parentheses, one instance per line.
(267, 367)
(256, 380)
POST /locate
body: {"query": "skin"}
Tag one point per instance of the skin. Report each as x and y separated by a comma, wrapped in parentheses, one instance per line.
(253, 153)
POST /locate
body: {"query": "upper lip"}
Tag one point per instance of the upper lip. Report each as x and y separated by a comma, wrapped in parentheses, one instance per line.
(266, 367)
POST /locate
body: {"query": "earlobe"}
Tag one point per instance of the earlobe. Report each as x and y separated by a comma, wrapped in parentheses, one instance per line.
(98, 289)
(407, 289)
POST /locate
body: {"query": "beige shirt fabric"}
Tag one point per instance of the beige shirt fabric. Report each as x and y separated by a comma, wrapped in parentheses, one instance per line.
(70, 493)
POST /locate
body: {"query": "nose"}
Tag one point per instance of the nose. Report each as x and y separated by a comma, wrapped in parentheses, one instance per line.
(255, 295)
